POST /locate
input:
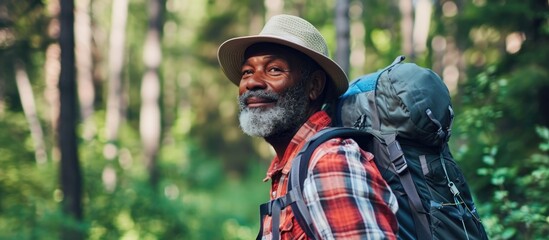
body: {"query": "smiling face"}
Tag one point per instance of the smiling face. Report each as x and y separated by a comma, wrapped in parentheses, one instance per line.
(274, 97)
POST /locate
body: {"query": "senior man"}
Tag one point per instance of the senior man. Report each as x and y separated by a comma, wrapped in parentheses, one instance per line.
(285, 77)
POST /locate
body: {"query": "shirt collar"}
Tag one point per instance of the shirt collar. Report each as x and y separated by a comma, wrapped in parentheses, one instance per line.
(317, 121)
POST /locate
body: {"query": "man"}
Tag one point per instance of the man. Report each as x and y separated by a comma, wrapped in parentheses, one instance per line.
(285, 77)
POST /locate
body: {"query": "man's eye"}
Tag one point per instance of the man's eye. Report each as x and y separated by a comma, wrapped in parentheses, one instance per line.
(246, 72)
(275, 71)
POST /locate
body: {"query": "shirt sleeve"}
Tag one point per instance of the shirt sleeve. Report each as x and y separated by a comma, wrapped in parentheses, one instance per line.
(346, 195)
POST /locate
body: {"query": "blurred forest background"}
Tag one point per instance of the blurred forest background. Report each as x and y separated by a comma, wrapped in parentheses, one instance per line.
(134, 134)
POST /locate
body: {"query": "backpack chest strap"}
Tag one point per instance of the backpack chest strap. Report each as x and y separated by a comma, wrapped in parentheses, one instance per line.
(274, 207)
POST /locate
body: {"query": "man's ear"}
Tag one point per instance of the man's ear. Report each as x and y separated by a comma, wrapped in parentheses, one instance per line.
(317, 84)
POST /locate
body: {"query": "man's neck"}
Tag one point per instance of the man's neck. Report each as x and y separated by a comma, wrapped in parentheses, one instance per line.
(280, 143)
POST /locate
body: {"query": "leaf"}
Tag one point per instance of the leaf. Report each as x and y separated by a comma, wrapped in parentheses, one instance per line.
(509, 233)
(489, 160)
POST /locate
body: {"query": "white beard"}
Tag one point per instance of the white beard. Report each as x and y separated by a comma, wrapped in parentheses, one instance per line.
(288, 114)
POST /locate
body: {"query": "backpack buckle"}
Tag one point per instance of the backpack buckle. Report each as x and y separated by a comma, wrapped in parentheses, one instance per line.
(400, 164)
(397, 156)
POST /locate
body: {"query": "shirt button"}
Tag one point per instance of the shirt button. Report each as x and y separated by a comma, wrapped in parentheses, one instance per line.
(274, 193)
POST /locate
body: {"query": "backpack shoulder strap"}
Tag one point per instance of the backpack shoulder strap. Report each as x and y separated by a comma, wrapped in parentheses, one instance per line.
(298, 173)
(300, 166)
(395, 156)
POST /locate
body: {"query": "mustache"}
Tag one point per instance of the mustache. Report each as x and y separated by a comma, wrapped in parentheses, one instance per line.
(269, 95)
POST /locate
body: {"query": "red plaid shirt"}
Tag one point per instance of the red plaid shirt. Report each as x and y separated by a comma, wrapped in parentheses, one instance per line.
(344, 191)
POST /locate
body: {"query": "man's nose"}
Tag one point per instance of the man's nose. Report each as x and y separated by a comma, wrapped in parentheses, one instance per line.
(255, 81)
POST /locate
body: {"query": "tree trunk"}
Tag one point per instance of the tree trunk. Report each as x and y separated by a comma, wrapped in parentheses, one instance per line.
(256, 16)
(84, 64)
(273, 7)
(150, 117)
(116, 66)
(27, 101)
(422, 23)
(406, 26)
(2, 95)
(52, 68)
(115, 103)
(342, 24)
(358, 38)
(71, 179)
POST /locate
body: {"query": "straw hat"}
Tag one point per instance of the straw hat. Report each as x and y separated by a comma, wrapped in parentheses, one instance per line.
(286, 30)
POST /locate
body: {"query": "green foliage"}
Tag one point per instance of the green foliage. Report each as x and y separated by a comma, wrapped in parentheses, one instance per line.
(26, 188)
(210, 173)
(196, 198)
(517, 208)
(496, 139)
(382, 37)
(500, 109)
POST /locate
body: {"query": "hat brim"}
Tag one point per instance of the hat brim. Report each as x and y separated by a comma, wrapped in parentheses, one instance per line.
(231, 57)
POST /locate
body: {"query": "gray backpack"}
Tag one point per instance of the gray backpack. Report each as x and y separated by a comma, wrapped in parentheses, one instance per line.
(403, 115)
